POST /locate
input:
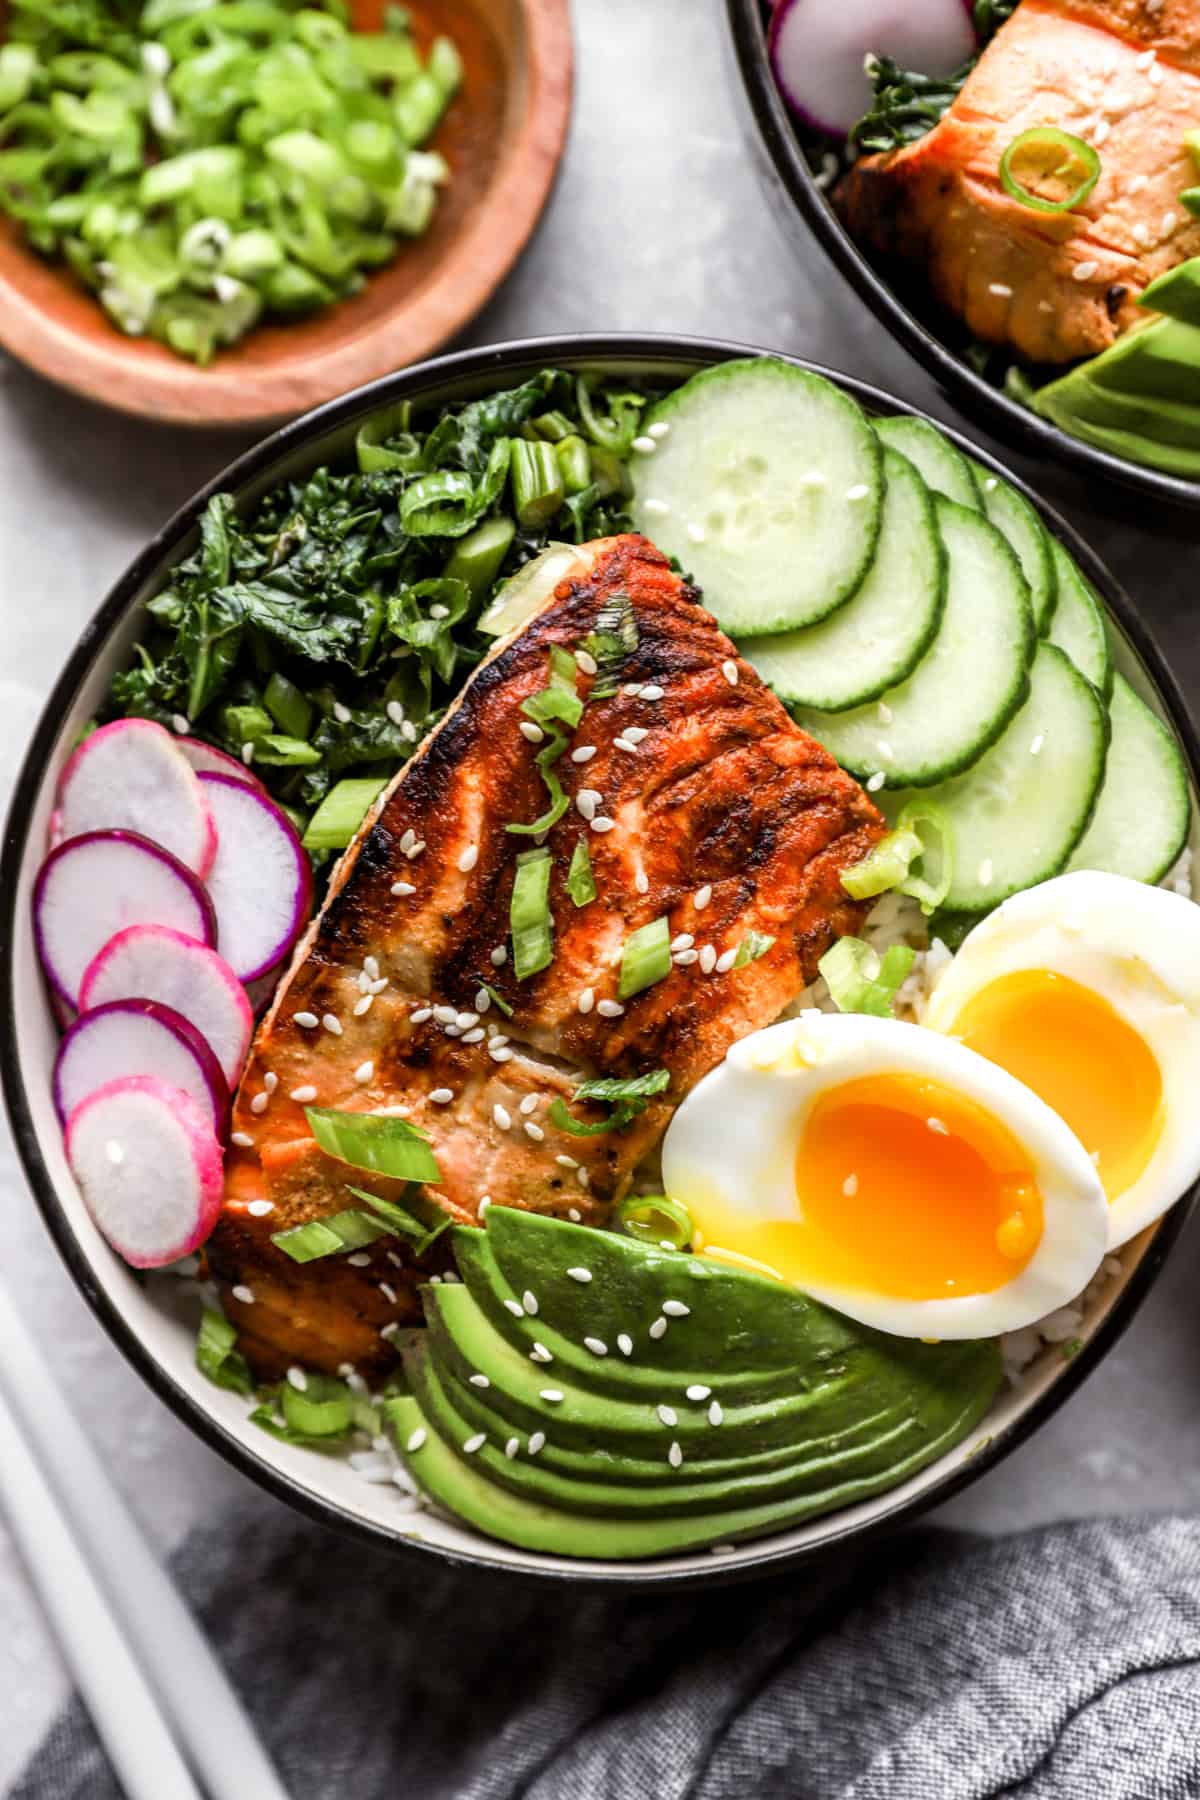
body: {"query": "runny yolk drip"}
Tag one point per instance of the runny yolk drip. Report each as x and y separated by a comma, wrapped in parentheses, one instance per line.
(1079, 1055)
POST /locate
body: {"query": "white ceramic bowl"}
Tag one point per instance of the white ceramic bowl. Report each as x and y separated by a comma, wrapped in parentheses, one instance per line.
(154, 1329)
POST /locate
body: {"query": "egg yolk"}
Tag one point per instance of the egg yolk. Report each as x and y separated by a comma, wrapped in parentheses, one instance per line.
(1080, 1056)
(903, 1188)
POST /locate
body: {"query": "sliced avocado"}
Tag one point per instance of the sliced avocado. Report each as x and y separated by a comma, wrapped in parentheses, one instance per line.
(814, 1411)
(1140, 399)
(1177, 293)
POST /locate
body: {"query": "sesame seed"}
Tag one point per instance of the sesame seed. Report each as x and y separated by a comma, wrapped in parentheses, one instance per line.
(439, 612)
(645, 446)
(850, 1186)
(416, 1440)
(270, 1081)
(479, 1381)
(465, 1020)
(341, 713)
(308, 1020)
(659, 429)
(472, 1444)
(697, 533)
(332, 1024)
(876, 781)
(658, 507)
(360, 1260)
(885, 751)
(529, 730)
(529, 1302)
(297, 1378)
(1141, 234)
(586, 802)
(652, 691)
(419, 1017)
(600, 823)
(485, 1200)
(371, 968)
(499, 1053)
(584, 753)
(502, 1116)
(609, 1009)
(702, 896)
(402, 889)
(395, 712)
(180, 724)
(859, 491)
(498, 1039)
(259, 1209)
(1084, 271)
(985, 872)
(696, 1392)
(708, 958)
(243, 1293)
(416, 849)
(408, 732)
(539, 1353)
(365, 1072)
(641, 882)
(259, 1103)
(938, 1126)
(585, 662)
(675, 1456)
(683, 941)
(537, 1441)
(363, 1005)
(725, 961)
(1035, 749)
(623, 743)
(242, 1139)
(675, 1309)
(597, 1346)
(446, 1015)
(388, 1292)
(624, 1343)
(511, 1447)
(474, 1036)
(729, 670)
(582, 1275)
(483, 1001)
(529, 1104)
(684, 958)
(636, 734)
(468, 858)
(553, 1395)
(302, 1095)
(247, 754)
(441, 1096)
(535, 1132)
(1169, 222)
(566, 1162)
(667, 1414)
(1001, 290)
(586, 1001)
(515, 1308)
(658, 1328)
(583, 1178)
(715, 1413)
(574, 1214)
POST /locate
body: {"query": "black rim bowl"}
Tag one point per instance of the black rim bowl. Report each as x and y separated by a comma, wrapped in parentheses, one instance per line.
(316, 437)
(794, 189)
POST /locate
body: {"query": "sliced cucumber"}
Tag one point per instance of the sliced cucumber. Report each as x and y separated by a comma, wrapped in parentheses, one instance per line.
(766, 482)
(1012, 515)
(880, 635)
(1141, 820)
(965, 689)
(1019, 813)
(942, 467)
(1078, 623)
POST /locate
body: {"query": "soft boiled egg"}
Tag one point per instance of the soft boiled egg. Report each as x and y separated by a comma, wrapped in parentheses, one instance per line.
(1087, 989)
(890, 1172)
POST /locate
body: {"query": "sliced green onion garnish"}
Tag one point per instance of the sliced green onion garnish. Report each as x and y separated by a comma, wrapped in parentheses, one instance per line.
(385, 442)
(646, 958)
(390, 1147)
(558, 699)
(627, 1097)
(537, 484)
(476, 559)
(553, 426)
(279, 752)
(341, 812)
(884, 867)
(545, 759)
(1049, 170)
(581, 883)
(752, 946)
(289, 708)
(862, 981)
(217, 1354)
(612, 643)
(399, 1219)
(324, 1409)
(930, 825)
(575, 462)
(529, 914)
(654, 1219)
(615, 430)
(317, 1238)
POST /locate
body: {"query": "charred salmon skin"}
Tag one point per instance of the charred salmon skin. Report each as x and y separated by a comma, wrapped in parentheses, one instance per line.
(699, 802)
(1123, 76)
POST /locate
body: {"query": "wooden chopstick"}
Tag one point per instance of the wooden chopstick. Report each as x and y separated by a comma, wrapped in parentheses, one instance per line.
(180, 1666)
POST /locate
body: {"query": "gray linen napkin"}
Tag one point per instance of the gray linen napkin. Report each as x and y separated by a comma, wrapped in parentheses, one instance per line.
(1051, 1666)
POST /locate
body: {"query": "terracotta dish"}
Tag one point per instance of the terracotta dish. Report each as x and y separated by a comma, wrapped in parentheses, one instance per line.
(503, 137)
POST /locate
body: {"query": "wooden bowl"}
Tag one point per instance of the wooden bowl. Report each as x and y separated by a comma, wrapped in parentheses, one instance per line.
(503, 137)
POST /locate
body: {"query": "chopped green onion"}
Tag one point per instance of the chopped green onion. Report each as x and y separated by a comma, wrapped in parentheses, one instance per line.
(245, 725)
(445, 65)
(611, 644)
(581, 883)
(324, 1408)
(654, 1219)
(279, 752)
(931, 826)
(385, 442)
(497, 998)
(342, 811)
(627, 1097)
(1053, 159)
(418, 107)
(476, 559)
(545, 759)
(646, 958)
(862, 981)
(575, 464)
(558, 699)
(386, 1146)
(884, 867)
(399, 1219)
(529, 914)
(553, 426)
(330, 1236)
(752, 946)
(289, 708)
(537, 484)
(217, 1355)
(1190, 198)
(615, 430)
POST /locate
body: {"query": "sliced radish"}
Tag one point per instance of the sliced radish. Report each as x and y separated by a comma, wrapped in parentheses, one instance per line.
(139, 1037)
(94, 886)
(152, 962)
(149, 1168)
(818, 50)
(206, 759)
(261, 881)
(133, 776)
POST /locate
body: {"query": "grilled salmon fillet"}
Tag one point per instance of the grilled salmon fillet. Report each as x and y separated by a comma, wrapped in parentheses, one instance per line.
(698, 799)
(1054, 286)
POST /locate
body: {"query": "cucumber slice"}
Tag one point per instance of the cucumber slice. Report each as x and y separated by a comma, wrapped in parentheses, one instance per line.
(965, 689)
(880, 635)
(1019, 813)
(1141, 820)
(1078, 623)
(767, 484)
(1013, 516)
(941, 467)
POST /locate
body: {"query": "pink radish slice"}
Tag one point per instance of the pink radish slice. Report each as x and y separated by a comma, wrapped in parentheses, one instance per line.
(139, 1037)
(817, 49)
(149, 1168)
(261, 881)
(94, 886)
(206, 759)
(152, 962)
(133, 776)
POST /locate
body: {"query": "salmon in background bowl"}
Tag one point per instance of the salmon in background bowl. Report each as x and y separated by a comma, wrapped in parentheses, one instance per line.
(705, 1044)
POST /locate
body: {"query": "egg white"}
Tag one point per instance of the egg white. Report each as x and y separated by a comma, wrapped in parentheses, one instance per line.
(735, 1137)
(1138, 948)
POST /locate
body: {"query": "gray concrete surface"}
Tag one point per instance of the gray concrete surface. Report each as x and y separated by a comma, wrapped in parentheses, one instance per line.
(658, 223)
